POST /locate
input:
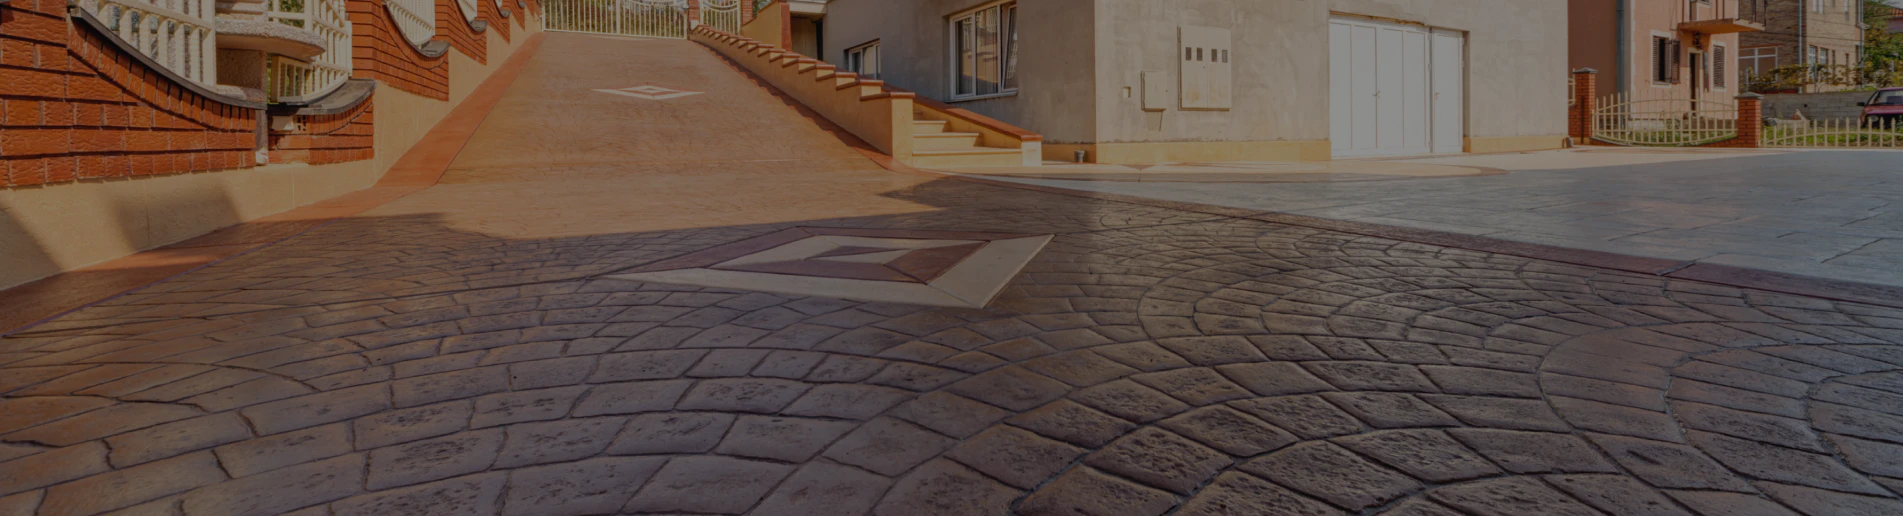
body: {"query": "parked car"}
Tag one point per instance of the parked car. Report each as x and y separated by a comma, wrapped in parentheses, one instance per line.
(1885, 108)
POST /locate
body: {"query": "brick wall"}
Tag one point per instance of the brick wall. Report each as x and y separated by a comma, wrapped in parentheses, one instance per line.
(492, 12)
(451, 26)
(381, 53)
(346, 136)
(74, 107)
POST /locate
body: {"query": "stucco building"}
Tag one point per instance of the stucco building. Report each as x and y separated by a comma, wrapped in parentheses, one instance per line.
(1133, 81)
(1651, 49)
(1817, 32)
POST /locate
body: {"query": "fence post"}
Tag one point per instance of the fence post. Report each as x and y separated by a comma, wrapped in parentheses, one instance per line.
(1585, 100)
(1750, 119)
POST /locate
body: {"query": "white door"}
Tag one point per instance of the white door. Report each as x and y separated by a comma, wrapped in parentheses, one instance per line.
(1450, 94)
(1380, 89)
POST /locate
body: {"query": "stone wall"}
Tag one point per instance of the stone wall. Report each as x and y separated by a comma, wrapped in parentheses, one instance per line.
(1815, 106)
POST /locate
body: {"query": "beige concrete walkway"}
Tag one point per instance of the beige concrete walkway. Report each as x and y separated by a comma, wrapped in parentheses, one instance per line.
(477, 348)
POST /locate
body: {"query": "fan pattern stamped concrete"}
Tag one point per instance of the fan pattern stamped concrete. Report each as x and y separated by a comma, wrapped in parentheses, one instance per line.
(418, 359)
(1216, 367)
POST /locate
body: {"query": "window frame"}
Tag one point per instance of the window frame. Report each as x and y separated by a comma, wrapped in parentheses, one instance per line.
(856, 61)
(963, 26)
(1719, 53)
(1666, 60)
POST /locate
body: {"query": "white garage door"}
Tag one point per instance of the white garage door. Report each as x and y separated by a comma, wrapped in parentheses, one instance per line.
(1393, 89)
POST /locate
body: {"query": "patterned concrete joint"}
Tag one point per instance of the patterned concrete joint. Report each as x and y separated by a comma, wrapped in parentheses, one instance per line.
(463, 350)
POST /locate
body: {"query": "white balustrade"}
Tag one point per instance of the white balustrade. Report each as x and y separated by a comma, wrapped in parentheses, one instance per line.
(468, 8)
(331, 22)
(177, 34)
(415, 18)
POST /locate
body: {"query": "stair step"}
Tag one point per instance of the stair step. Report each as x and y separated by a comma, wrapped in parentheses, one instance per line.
(928, 126)
(944, 141)
(974, 151)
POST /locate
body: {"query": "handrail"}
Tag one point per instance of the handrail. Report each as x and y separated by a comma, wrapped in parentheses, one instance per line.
(330, 21)
(179, 35)
(416, 19)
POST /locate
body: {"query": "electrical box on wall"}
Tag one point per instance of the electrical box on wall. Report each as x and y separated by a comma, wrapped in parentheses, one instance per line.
(1204, 53)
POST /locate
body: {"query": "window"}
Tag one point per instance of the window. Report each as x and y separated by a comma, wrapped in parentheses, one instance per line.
(864, 60)
(1718, 67)
(1665, 53)
(985, 52)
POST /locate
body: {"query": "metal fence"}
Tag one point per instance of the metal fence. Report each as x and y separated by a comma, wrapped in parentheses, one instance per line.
(1850, 133)
(1621, 119)
(647, 18)
(721, 16)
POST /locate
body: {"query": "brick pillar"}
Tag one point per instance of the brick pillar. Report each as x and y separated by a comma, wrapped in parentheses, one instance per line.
(1585, 100)
(1750, 119)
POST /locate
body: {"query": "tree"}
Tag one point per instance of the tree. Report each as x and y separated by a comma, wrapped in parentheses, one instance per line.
(1880, 47)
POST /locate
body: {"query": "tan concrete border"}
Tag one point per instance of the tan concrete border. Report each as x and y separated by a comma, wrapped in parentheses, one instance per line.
(26, 305)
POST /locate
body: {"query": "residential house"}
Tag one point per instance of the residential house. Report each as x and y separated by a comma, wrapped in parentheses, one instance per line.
(1810, 32)
(1145, 81)
(1659, 49)
(793, 24)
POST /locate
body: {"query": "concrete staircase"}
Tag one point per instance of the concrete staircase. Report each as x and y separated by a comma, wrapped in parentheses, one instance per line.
(936, 145)
(914, 130)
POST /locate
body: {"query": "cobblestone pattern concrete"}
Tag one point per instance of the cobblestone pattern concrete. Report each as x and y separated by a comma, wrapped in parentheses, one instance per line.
(1147, 361)
(1133, 368)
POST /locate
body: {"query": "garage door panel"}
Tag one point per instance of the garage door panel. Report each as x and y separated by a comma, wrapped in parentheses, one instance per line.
(1366, 86)
(1341, 93)
(1449, 92)
(1382, 85)
(1391, 86)
(1414, 104)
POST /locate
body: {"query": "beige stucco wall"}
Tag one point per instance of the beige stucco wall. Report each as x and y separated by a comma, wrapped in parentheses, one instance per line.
(769, 26)
(1074, 75)
(48, 229)
(1648, 19)
(913, 40)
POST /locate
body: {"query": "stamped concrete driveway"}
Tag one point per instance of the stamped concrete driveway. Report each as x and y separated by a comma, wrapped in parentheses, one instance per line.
(469, 350)
(1828, 214)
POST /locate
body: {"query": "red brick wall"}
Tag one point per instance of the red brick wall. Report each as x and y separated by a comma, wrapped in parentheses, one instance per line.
(1579, 116)
(72, 106)
(530, 6)
(347, 136)
(496, 21)
(381, 53)
(451, 26)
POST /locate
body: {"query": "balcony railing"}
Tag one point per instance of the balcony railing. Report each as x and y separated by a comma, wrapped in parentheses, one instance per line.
(292, 79)
(416, 18)
(469, 9)
(178, 34)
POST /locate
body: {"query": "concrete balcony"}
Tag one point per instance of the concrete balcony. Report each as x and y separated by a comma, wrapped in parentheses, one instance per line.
(284, 50)
(1720, 26)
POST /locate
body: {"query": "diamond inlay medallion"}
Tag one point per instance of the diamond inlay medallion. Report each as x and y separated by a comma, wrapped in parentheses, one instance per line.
(651, 92)
(938, 268)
